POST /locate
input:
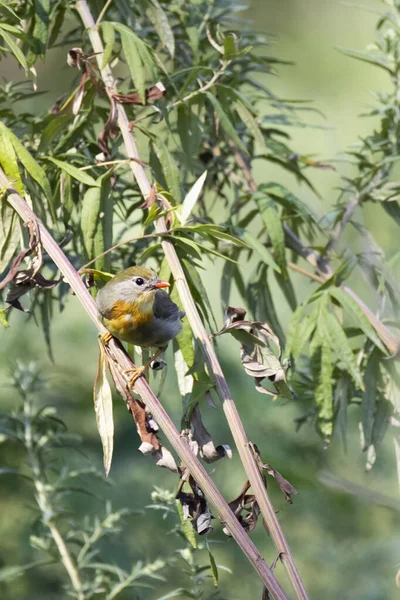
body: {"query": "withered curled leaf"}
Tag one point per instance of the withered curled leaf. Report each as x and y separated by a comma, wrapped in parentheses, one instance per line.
(246, 509)
(286, 487)
(194, 506)
(207, 450)
(154, 93)
(103, 408)
(260, 351)
(22, 281)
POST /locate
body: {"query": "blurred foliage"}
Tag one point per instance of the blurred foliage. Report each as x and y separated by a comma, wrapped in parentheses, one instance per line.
(218, 116)
(77, 543)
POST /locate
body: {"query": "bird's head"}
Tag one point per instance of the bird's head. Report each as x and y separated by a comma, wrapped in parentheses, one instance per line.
(136, 283)
(134, 287)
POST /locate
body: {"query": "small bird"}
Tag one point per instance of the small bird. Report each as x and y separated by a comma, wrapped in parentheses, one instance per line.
(135, 309)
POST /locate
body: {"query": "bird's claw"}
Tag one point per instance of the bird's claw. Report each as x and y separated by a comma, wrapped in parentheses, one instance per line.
(106, 338)
(136, 373)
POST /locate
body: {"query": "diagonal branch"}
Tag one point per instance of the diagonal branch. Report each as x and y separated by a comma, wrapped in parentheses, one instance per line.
(119, 355)
(199, 331)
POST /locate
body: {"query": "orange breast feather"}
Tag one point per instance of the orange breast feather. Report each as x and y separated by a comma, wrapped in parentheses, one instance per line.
(125, 317)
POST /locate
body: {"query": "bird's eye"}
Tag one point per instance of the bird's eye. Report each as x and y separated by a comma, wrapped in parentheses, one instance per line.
(139, 281)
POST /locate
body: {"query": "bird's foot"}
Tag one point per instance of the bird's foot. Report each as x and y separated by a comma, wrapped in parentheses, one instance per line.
(106, 338)
(135, 374)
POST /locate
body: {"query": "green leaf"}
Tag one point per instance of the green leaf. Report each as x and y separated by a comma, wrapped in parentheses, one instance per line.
(287, 288)
(340, 343)
(162, 26)
(214, 569)
(76, 173)
(3, 318)
(259, 248)
(92, 223)
(15, 49)
(109, 40)
(32, 167)
(289, 201)
(323, 393)
(360, 319)
(226, 124)
(190, 132)
(191, 198)
(66, 197)
(185, 337)
(58, 22)
(261, 302)
(169, 168)
(9, 221)
(273, 224)
(250, 122)
(55, 125)
(103, 408)
(376, 58)
(368, 402)
(138, 57)
(296, 339)
(41, 25)
(186, 525)
(230, 49)
(8, 160)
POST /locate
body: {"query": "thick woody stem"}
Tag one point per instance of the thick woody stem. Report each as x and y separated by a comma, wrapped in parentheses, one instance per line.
(199, 331)
(119, 355)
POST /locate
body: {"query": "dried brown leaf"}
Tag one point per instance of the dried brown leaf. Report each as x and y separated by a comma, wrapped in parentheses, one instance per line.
(260, 351)
(208, 452)
(156, 92)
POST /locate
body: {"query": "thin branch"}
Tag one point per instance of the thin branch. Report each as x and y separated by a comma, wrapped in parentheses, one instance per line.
(205, 87)
(119, 355)
(198, 329)
(304, 272)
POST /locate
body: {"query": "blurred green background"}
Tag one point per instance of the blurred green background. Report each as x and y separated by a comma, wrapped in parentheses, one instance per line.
(346, 544)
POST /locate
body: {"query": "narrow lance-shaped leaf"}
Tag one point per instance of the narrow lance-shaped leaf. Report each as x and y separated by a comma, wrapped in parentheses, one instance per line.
(138, 57)
(76, 173)
(259, 248)
(191, 198)
(226, 123)
(354, 310)
(170, 169)
(30, 164)
(109, 39)
(323, 393)
(15, 49)
(273, 224)
(102, 397)
(250, 122)
(162, 26)
(340, 343)
(93, 226)
(368, 402)
(186, 525)
(9, 221)
(3, 318)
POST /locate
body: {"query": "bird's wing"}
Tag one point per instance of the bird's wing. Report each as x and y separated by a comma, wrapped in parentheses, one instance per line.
(165, 308)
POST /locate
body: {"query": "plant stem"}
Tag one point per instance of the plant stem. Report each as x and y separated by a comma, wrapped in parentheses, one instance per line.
(118, 354)
(197, 326)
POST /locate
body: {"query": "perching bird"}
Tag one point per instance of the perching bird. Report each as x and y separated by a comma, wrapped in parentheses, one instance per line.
(135, 309)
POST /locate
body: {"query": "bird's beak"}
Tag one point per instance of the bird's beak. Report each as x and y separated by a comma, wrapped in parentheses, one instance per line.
(161, 284)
